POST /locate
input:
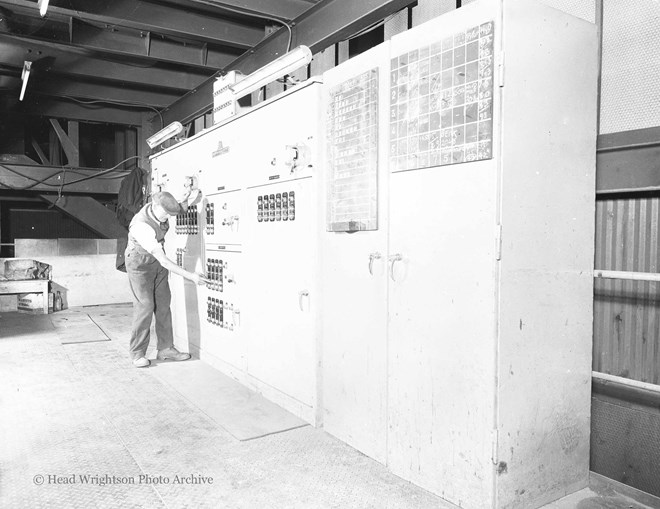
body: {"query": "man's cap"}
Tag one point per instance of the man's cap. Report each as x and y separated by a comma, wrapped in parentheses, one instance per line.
(168, 202)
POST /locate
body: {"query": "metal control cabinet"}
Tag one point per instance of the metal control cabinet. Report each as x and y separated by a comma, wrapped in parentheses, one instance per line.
(282, 234)
(255, 234)
(467, 347)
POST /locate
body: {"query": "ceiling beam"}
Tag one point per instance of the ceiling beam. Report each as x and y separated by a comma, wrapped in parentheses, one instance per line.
(94, 40)
(101, 113)
(326, 23)
(68, 60)
(282, 9)
(137, 43)
(56, 86)
(18, 177)
(158, 18)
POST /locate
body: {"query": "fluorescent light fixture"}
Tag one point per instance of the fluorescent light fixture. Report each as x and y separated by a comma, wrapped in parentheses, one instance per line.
(43, 7)
(285, 64)
(165, 134)
(27, 65)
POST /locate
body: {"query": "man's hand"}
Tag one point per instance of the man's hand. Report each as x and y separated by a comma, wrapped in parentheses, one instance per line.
(198, 279)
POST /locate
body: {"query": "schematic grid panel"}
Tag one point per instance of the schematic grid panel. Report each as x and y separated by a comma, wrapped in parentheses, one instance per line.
(441, 101)
(353, 154)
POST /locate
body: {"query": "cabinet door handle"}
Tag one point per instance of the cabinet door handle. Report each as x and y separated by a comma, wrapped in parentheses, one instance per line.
(393, 259)
(372, 257)
(301, 294)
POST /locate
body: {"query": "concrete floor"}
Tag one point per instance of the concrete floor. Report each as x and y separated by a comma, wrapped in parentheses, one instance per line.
(82, 409)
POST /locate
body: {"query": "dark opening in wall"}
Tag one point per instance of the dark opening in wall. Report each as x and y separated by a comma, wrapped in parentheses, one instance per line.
(366, 41)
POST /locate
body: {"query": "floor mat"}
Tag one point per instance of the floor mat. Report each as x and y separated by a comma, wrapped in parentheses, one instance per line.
(243, 413)
(76, 326)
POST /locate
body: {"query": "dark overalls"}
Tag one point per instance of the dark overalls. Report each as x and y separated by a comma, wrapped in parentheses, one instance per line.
(150, 288)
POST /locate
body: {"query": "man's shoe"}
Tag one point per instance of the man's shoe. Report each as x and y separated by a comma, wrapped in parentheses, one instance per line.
(172, 354)
(142, 362)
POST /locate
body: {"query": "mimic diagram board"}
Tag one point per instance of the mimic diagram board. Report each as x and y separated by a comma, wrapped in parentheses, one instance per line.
(441, 101)
(352, 191)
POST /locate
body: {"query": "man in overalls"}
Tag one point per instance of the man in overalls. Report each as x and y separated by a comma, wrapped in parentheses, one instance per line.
(147, 267)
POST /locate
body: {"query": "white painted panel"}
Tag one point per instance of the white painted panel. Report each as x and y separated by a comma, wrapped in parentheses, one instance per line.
(585, 9)
(278, 316)
(225, 156)
(546, 291)
(228, 212)
(355, 299)
(226, 342)
(442, 309)
(271, 132)
(441, 337)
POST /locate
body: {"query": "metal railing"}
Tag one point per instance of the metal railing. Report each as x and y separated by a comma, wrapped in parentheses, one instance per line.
(615, 385)
(621, 274)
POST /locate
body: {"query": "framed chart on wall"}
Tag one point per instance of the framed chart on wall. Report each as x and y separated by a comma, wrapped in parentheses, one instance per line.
(441, 101)
(352, 143)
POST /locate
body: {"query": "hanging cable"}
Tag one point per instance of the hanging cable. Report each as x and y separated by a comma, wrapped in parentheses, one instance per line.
(37, 182)
(252, 15)
(120, 103)
(372, 27)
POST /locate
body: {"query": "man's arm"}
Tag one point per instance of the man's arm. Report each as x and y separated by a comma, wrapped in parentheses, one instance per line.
(168, 264)
(146, 237)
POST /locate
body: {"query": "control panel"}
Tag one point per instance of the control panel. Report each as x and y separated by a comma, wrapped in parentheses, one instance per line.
(276, 207)
(221, 313)
(222, 218)
(187, 222)
(215, 274)
(210, 218)
(247, 175)
(215, 311)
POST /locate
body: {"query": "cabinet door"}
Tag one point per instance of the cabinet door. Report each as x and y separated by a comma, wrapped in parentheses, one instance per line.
(281, 299)
(354, 264)
(442, 329)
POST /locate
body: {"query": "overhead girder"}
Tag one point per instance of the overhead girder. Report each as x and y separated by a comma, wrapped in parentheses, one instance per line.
(327, 22)
(66, 60)
(92, 39)
(156, 17)
(137, 43)
(282, 9)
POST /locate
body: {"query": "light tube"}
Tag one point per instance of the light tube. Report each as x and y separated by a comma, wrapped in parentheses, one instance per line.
(165, 134)
(27, 65)
(285, 64)
(43, 7)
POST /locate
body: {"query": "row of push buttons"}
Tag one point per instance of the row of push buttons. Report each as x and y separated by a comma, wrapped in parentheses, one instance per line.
(210, 218)
(276, 207)
(215, 274)
(186, 223)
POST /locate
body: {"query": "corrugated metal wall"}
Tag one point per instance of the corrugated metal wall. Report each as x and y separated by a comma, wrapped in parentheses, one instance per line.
(627, 313)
